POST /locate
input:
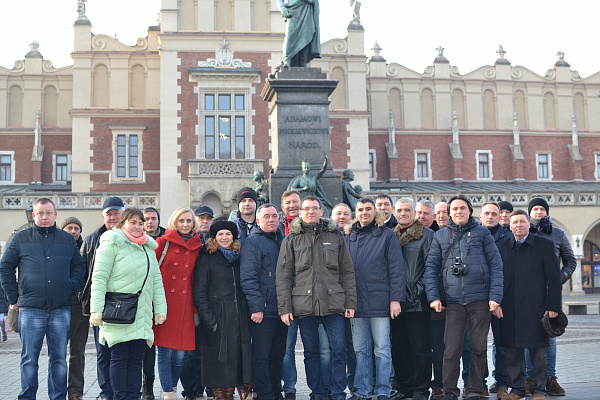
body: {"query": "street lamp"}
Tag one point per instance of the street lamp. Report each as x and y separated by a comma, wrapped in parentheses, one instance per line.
(29, 214)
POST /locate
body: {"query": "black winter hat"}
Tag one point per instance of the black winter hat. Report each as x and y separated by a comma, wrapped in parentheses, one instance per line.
(221, 225)
(538, 201)
(246, 192)
(555, 326)
(505, 205)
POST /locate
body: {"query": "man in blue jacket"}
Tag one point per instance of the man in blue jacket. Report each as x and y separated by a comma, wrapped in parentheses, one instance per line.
(380, 288)
(466, 257)
(260, 252)
(50, 271)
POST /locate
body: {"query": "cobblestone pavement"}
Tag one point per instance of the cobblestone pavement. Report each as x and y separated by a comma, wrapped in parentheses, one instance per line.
(578, 366)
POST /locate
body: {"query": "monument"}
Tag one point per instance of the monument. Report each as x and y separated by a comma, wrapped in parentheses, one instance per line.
(298, 99)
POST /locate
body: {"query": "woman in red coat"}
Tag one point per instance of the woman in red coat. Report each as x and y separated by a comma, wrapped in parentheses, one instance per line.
(180, 246)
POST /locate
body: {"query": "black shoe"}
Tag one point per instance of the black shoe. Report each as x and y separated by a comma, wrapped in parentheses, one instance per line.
(420, 396)
(383, 397)
(397, 395)
(148, 389)
(290, 396)
(450, 396)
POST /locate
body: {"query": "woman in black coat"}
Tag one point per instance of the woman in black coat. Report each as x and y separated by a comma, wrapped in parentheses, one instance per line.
(222, 307)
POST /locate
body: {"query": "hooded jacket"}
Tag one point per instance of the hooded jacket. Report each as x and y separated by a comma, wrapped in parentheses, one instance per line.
(314, 274)
(50, 268)
(478, 251)
(415, 243)
(88, 252)
(258, 270)
(379, 267)
(244, 228)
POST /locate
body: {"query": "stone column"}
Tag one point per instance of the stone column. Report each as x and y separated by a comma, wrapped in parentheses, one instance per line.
(577, 289)
(300, 129)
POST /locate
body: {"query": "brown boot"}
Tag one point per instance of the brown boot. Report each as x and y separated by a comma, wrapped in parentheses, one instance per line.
(219, 395)
(228, 393)
(553, 388)
(528, 384)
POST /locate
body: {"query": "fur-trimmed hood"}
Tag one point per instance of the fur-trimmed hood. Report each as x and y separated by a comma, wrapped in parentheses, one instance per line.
(117, 237)
(379, 221)
(414, 232)
(328, 225)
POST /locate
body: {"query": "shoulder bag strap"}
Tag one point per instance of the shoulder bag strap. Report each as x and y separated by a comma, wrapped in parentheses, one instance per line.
(164, 253)
(147, 271)
(451, 247)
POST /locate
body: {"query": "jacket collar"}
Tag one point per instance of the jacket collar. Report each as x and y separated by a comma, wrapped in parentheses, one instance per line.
(276, 236)
(530, 239)
(354, 226)
(459, 228)
(45, 229)
(324, 224)
(414, 232)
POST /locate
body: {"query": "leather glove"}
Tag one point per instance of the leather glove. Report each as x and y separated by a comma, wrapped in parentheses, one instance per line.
(160, 318)
(96, 319)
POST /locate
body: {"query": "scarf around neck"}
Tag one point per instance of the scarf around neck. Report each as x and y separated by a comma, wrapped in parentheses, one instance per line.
(139, 240)
(230, 255)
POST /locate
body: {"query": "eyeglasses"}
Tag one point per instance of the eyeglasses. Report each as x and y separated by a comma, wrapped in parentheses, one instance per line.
(310, 208)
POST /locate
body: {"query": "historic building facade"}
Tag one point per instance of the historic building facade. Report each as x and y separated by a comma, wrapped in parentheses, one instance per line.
(177, 119)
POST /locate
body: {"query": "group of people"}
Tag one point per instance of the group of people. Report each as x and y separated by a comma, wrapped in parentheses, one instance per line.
(221, 302)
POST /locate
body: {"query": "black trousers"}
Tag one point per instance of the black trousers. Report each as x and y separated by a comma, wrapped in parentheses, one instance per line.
(411, 352)
(268, 348)
(476, 316)
(80, 326)
(516, 370)
(436, 339)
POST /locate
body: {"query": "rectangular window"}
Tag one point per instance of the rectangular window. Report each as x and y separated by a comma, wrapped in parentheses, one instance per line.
(240, 135)
(209, 102)
(5, 168)
(422, 165)
(133, 156)
(209, 137)
(224, 102)
(543, 164)
(372, 166)
(598, 166)
(224, 137)
(121, 156)
(484, 165)
(62, 162)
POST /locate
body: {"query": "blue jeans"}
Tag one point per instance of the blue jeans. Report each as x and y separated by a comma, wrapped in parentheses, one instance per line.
(34, 324)
(126, 369)
(309, 330)
(170, 363)
(550, 354)
(371, 336)
(103, 366)
(289, 375)
(325, 356)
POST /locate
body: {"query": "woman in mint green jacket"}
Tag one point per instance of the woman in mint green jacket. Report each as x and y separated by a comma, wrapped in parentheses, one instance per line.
(123, 258)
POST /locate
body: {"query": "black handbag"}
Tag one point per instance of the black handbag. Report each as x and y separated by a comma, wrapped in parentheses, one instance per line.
(120, 308)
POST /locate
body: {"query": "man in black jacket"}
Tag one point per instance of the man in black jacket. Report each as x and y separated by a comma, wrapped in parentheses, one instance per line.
(50, 271)
(411, 353)
(384, 203)
(112, 209)
(532, 288)
(260, 252)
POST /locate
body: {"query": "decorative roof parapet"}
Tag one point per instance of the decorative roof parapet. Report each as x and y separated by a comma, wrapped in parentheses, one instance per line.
(224, 59)
(34, 52)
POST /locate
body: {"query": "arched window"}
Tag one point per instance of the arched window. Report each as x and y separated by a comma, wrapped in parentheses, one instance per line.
(489, 110)
(395, 99)
(458, 105)
(15, 106)
(338, 97)
(137, 96)
(100, 86)
(49, 115)
(427, 111)
(520, 107)
(549, 111)
(579, 110)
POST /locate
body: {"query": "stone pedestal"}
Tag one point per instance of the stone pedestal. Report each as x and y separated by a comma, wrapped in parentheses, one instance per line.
(300, 130)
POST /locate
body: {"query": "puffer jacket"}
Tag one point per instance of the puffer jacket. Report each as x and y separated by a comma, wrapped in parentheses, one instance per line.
(50, 268)
(500, 233)
(314, 274)
(562, 247)
(378, 265)
(88, 252)
(477, 250)
(244, 228)
(121, 266)
(258, 270)
(415, 243)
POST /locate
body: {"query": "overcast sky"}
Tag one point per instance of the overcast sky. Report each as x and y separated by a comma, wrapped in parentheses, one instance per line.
(409, 31)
